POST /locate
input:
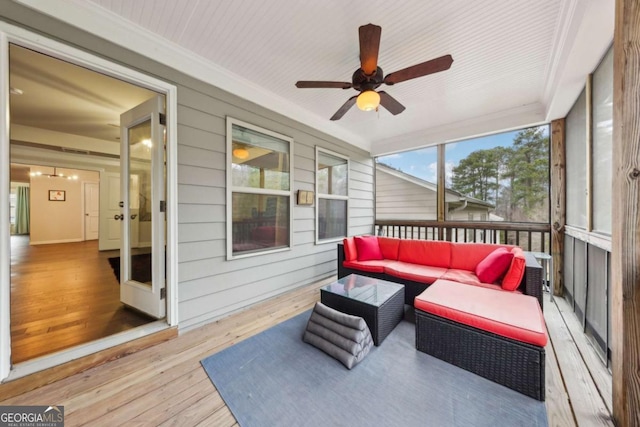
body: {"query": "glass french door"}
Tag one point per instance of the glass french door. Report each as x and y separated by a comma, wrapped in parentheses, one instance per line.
(142, 186)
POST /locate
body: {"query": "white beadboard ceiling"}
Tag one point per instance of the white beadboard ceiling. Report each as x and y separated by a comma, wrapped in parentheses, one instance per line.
(516, 62)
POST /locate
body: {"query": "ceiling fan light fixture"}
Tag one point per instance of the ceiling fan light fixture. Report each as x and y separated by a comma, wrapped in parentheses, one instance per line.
(240, 153)
(368, 100)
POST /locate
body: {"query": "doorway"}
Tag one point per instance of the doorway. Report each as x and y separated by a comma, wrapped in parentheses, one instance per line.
(66, 115)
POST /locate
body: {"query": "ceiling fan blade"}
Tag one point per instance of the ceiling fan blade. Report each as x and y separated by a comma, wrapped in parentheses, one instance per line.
(317, 85)
(419, 70)
(390, 103)
(369, 48)
(345, 107)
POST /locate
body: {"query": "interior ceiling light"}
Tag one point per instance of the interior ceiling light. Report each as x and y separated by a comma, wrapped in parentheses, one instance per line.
(368, 100)
(55, 174)
(240, 153)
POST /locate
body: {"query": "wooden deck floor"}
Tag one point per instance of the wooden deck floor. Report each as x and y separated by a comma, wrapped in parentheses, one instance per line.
(166, 385)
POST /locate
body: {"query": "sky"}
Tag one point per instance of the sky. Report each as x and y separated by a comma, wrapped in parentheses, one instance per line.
(423, 163)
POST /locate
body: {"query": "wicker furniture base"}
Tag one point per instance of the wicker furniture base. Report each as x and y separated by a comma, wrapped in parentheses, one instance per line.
(381, 319)
(514, 364)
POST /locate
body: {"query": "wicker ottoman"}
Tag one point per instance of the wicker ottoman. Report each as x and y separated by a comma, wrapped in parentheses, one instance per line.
(498, 335)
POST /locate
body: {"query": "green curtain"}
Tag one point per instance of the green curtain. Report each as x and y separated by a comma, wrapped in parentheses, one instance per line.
(22, 210)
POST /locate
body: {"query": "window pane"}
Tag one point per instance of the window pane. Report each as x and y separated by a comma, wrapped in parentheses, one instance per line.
(259, 222)
(333, 174)
(332, 218)
(259, 160)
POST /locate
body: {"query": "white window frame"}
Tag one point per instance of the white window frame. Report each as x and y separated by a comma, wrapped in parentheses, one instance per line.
(331, 196)
(22, 37)
(250, 190)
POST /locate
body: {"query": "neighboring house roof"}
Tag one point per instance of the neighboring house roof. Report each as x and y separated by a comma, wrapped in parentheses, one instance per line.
(431, 186)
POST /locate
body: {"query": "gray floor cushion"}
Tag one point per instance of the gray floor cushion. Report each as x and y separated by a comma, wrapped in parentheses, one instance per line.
(342, 336)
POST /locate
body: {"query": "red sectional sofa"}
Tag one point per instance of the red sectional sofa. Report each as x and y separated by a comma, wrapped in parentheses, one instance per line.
(419, 263)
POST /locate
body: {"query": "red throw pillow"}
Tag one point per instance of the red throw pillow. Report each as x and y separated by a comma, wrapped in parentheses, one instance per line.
(350, 250)
(515, 273)
(368, 248)
(494, 265)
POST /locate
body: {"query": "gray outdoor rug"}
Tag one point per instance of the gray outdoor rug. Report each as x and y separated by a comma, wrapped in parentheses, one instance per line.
(275, 379)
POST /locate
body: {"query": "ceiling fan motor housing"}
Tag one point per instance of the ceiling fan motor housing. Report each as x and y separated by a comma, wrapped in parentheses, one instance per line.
(360, 81)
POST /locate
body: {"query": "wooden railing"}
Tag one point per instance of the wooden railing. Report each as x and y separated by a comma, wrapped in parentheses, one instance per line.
(529, 236)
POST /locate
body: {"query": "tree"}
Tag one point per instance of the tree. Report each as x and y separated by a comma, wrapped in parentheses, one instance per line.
(514, 179)
(529, 166)
(479, 175)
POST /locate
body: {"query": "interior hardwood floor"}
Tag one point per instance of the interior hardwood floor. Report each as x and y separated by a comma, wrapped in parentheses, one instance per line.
(63, 295)
(166, 385)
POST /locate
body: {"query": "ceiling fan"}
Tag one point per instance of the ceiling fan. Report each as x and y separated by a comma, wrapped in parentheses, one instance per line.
(369, 76)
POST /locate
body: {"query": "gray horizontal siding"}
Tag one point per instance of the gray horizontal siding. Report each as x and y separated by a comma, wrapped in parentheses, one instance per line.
(210, 286)
(398, 199)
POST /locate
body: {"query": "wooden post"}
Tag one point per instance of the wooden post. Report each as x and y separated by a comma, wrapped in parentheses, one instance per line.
(625, 232)
(558, 203)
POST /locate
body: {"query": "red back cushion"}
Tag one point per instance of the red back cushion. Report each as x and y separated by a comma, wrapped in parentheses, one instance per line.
(467, 256)
(389, 247)
(368, 248)
(425, 252)
(494, 265)
(350, 251)
(515, 272)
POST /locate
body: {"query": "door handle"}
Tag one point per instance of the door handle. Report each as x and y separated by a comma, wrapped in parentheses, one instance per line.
(134, 216)
(118, 217)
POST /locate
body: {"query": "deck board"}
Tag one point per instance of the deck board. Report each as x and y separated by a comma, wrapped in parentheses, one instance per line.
(166, 385)
(587, 404)
(599, 372)
(558, 404)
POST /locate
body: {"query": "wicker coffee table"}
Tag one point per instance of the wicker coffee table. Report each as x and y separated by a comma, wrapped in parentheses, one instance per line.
(379, 302)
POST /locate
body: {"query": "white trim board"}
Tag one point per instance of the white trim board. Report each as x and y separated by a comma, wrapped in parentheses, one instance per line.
(601, 241)
(32, 366)
(12, 34)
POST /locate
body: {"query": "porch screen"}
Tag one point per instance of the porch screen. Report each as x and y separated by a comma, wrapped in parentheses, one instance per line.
(602, 143)
(260, 201)
(576, 152)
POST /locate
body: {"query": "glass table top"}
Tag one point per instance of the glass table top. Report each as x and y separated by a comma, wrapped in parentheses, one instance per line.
(361, 288)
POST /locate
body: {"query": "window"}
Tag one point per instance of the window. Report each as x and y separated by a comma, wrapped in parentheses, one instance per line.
(259, 194)
(332, 189)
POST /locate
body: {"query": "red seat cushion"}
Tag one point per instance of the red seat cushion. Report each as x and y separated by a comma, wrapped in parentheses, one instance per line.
(425, 252)
(494, 265)
(507, 314)
(350, 251)
(368, 248)
(461, 276)
(514, 275)
(389, 247)
(415, 272)
(372, 266)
